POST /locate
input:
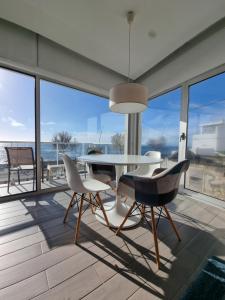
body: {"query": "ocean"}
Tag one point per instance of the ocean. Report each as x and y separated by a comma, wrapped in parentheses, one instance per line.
(50, 152)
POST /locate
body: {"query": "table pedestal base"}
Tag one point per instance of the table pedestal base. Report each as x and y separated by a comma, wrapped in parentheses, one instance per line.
(116, 215)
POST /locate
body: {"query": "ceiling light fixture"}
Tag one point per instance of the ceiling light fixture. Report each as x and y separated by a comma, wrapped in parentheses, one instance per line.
(128, 97)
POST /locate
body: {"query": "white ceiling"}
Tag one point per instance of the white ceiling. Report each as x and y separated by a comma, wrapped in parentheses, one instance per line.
(98, 29)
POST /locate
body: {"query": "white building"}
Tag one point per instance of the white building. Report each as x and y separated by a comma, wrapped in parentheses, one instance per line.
(210, 140)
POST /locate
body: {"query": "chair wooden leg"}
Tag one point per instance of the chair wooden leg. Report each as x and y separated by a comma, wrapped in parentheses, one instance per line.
(102, 208)
(69, 207)
(155, 236)
(90, 199)
(143, 210)
(125, 219)
(171, 222)
(77, 231)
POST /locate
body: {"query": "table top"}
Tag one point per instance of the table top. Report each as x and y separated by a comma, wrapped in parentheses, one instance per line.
(119, 159)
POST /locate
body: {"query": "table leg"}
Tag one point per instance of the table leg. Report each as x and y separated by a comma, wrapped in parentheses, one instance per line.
(117, 211)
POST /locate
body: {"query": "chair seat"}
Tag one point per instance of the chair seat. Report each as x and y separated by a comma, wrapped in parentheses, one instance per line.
(141, 173)
(23, 167)
(26, 167)
(94, 185)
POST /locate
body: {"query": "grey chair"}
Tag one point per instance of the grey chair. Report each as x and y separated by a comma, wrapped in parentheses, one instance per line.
(103, 173)
(153, 192)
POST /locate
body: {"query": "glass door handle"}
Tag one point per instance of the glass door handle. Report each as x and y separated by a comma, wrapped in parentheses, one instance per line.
(182, 137)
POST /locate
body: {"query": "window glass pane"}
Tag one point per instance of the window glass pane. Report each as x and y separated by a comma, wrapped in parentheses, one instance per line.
(206, 137)
(74, 122)
(17, 130)
(160, 126)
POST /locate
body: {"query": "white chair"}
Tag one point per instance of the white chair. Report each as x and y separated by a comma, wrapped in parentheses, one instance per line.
(147, 170)
(82, 188)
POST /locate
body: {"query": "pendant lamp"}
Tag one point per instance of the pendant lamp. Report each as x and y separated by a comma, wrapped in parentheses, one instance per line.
(128, 97)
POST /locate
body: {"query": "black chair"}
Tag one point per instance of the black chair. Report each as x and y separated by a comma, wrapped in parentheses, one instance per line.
(20, 159)
(156, 191)
(103, 173)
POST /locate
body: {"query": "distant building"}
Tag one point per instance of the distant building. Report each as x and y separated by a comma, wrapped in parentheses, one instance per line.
(210, 140)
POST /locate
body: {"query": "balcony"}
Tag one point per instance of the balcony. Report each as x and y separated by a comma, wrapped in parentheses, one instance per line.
(52, 168)
(206, 174)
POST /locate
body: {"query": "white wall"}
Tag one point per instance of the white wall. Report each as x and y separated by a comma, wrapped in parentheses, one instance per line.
(26, 50)
(17, 44)
(205, 52)
(19, 48)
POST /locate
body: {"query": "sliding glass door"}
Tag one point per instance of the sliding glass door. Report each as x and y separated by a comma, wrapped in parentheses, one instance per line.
(160, 126)
(17, 133)
(74, 122)
(206, 137)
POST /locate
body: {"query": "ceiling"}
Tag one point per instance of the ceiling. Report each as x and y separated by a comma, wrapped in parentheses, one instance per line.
(97, 29)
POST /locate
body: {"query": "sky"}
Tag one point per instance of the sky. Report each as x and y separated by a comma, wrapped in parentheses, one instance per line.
(87, 117)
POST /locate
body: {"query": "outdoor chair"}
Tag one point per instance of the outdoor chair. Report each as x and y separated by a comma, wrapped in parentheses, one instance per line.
(20, 159)
(147, 170)
(84, 190)
(153, 192)
(103, 173)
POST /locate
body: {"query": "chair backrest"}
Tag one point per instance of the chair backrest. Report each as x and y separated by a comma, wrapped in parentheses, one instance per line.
(73, 178)
(147, 170)
(159, 189)
(153, 154)
(101, 168)
(164, 186)
(95, 151)
(19, 156)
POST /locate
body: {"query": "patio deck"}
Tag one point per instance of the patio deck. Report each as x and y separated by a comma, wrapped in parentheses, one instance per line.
(38, 258)
(27, 186)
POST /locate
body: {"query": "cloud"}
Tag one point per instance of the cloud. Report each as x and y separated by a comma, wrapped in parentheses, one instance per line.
(48, 123)
(12, 122)
(1, 85)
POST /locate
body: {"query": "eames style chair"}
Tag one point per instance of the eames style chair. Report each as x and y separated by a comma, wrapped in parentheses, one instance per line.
(86, 190)
(153, 193)
(147, 170)
(101, 172)
(20, 159)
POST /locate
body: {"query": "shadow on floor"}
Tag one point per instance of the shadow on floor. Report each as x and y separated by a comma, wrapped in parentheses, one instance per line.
(134, 259)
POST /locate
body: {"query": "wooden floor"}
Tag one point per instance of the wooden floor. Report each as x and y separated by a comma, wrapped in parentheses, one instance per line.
(38, 258)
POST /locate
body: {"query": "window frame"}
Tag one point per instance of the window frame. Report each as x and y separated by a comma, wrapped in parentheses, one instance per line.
(131, 146)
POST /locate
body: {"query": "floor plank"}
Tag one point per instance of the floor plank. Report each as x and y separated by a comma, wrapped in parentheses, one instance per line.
(26, 289)
(38, 257)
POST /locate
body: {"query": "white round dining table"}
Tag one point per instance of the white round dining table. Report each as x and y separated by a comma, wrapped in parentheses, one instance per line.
(117, 210)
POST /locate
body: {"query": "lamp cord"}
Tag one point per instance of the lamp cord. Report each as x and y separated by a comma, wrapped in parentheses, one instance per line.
(129, 39)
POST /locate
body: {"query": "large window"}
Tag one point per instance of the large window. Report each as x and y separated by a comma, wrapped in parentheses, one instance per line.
(160, 126)
(74, 122)
(206, 137)
(17, 133)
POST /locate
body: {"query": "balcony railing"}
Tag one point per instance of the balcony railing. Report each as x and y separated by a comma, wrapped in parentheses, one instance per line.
(51, 155)
(205, 175)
